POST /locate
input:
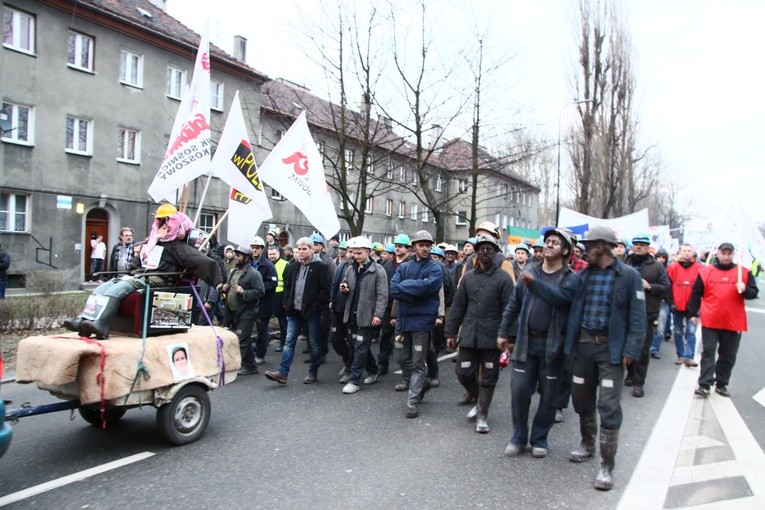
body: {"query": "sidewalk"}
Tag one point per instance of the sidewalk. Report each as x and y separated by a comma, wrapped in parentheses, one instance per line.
(700, 455)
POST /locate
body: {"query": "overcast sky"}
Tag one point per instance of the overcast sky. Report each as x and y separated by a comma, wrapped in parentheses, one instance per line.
(699, 75)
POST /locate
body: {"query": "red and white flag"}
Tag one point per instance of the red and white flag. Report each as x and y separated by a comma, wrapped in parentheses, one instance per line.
(294, 168)
(235, 164)
(188, 150)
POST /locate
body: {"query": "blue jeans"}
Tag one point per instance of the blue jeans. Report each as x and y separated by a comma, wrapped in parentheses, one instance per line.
(115, 288)
(685, 335)
(359, 342)
(294, 325)
(525, 378)
(658, 335)
(3, 284)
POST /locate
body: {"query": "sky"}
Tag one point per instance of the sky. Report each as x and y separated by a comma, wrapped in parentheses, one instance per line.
(699, 97)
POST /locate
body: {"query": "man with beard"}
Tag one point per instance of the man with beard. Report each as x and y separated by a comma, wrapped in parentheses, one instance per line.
(475, 316)
(605, 331)
(243, 290)
(540, 304)
(122, 252)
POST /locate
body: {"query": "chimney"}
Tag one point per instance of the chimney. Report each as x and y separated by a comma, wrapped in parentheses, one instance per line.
(159, 4)
(385, 121)
(366, 105)
(436, 135)
(240, 48)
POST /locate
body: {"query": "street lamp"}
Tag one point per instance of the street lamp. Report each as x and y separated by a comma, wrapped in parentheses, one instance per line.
(560, 116)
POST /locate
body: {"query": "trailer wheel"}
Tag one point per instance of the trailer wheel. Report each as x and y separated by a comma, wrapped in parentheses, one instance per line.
(185, 418)
(92, 415)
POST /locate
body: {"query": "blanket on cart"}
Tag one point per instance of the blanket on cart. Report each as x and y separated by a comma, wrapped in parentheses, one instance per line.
(69, 365)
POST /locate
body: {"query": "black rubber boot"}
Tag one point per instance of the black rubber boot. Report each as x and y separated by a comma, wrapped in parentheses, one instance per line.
(100, 328)
(588, 426)
(470, 396)
(484, 401)
(74, 324)
(609, 441)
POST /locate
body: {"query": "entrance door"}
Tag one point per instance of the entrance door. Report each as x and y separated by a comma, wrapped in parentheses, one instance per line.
(96, 223)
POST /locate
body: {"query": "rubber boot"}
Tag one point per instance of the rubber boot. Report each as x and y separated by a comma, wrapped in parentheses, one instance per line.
(484, 401)
(100, 328)
(588, 427)
(74, 324)
(470, 396)
(609, 440)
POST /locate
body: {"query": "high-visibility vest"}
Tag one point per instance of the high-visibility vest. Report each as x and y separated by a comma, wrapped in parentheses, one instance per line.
(280, 265)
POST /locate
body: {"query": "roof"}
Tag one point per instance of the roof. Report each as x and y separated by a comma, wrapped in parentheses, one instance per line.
(457, 155)
(141, 17)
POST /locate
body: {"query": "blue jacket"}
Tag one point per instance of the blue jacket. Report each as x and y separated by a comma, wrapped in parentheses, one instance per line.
(521, 303)
(626, 326)
(415, 286)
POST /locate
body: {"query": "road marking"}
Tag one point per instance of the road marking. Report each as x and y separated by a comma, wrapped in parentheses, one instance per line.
(76, 477)
(705, 472)
(755, 310)
(759, 397)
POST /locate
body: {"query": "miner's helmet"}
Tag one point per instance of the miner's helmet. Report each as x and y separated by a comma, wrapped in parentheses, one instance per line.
(165, 211)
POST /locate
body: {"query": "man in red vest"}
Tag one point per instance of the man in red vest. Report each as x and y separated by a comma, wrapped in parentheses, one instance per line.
(718, 297)
(683, 274)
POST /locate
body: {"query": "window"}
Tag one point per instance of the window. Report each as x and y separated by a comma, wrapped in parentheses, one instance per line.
(279, 135)
(461, 217)
(320, 148)
(402, 174)
(79, 136)
(496, 219)
(129, 146)
(275, 195)
(389, 207)
(216, 95)
(504, 220)
(424, 215)
(415, 178)
(18, 30)
(79, 52)
(22, 123)
(131, 68)
(402, 210)
(370, 164)
(439, 183)
(370, 208)
(391, 169)
(413, 211)
(499, 190)
(13, 212)
(176, 82)
(349, 159)
(462, 185)
(206, 222)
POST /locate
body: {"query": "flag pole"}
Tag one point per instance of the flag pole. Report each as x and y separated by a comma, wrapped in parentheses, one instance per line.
(213, 231)
(202, 200)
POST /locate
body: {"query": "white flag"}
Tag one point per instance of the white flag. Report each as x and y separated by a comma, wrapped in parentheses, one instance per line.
(188, 150)
(244, 217)
(295, 169)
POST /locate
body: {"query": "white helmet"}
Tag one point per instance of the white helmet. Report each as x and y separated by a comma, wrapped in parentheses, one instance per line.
(450, 247)
(359, 242)
(258, 241)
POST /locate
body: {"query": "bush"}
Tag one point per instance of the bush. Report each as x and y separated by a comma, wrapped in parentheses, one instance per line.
(51, 281)
(39, 312)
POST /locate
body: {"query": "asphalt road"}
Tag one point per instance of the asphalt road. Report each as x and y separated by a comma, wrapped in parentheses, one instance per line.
(299, 446)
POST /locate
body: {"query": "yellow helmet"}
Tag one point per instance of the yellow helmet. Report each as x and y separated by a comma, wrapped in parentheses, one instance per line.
(165, 210)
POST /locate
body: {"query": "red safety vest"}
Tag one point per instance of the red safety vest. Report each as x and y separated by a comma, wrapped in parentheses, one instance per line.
(682, 279)
(722, 307)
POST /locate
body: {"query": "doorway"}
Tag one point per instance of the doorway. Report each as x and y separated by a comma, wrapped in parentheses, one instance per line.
(96, 223)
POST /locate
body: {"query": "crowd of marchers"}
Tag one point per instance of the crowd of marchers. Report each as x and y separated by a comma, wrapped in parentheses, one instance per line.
(576, 319)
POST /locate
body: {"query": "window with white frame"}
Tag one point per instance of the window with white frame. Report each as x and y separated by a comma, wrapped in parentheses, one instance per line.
(389, 207)
(370, 208)
(391, 170)
(320, 147)
(401, 173)
(79, 51)
(402, 210)
(216, 95)
(499, 190)
(176, 81)
(349, 159)
(439, 184)
(18, 30)
(22, 123)
(369, 164)
(413, 211)
(504, 221)
(275, 195)
(79, 136)
(206, 222)
(415, 177)
(131, 68)
(128, 145)
(425, 218)
(461, 217)
(462, 185)
(496, 219)
(14, 212)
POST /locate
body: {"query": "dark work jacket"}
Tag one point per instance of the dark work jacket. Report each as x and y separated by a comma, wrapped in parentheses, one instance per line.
(5, 263)
(270, 279)
(654, 273)
(247, 303)
(627, 323)
(178, 256)
(478, 306)
(519, 308)
(336, 297)
(316, 291)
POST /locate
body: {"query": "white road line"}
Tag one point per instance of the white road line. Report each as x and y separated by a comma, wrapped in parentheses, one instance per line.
(705, 472)
(748, 453)
(759, 397)
(755, 310)
(647, 488)
(76, 477)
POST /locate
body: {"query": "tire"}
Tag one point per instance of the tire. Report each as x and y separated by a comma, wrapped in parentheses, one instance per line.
(185, 418)
(92, 415)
